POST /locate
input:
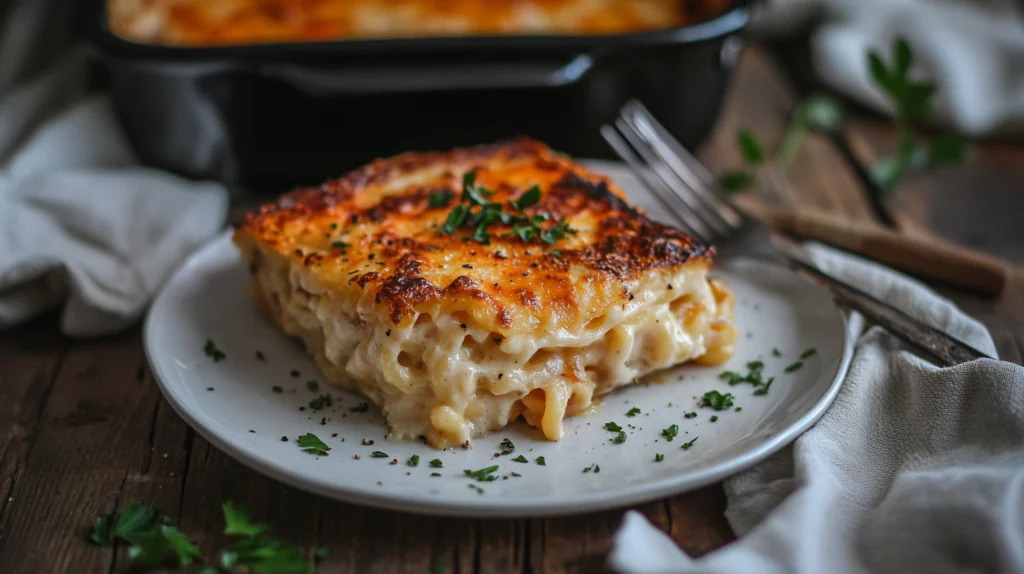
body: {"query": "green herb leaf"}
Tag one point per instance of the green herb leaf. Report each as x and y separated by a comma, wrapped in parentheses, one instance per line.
(182, 546)
(808, 352)
(312, 385)
(379, 454)
(620, 438)
(210, 350)
(659, 457)
(340, 245)
(632, 412)
(360, 408)
(483, 474)
(794, 366)
(612, 427)
(477, 488)
(714, 418)
(528, 199)
(520, 458)
(716, 400)
(506, 447)
(687, 445)
(455, 219)
(312, 444)
(753, 151)
(736, 180)
(102, 532)
(440, 199)
(776, 352)
(135, 521)
(670, 433)
(540, 461)
(763, 390)
(414, 460)
(238, 521)
(436, 463)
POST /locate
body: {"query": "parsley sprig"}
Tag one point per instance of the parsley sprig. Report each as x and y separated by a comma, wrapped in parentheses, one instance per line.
(476, 211)
(312, 444)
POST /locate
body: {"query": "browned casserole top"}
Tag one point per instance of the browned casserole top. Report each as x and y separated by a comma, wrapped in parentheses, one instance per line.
(220, 22)
(380, 230)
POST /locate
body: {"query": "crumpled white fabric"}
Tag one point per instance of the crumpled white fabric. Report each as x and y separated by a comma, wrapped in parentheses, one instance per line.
(81, 224)
(913, 469)
(973, 51)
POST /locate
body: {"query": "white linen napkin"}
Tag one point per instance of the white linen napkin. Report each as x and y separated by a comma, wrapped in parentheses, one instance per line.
(913, 469)
(973, 51)
(80, 222)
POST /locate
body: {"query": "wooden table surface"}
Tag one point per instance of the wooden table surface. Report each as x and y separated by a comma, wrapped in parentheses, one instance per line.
(84, 430)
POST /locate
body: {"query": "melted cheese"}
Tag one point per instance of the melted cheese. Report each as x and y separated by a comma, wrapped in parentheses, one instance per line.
(219, 22)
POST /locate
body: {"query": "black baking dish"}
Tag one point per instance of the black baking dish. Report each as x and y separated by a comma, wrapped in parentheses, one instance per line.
(269, 116)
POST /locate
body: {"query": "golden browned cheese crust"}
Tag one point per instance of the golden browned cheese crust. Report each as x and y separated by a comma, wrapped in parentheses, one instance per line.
(225, 22)
(393, 247)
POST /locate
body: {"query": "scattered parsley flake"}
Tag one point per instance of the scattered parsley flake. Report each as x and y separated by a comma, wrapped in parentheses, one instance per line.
(340, 244)
(414, 460)
(441, 198)
(312, 444)
(717, 400)
(761, 391)
(620, 438)
(435, 474)
(632, 412)
(687, 445)
(714, 418)
(588, 469)
(515, 474)
(794, 366)
(520, 458)
(312, 385)
(483, 474)
(776, 352)
(659, 457)
(540, 461)
(808, 353)
(360, 408)
(378, 454)
(670, 433)
(506, 447)
(210, 350)
(321, 401)
(690, 415)
(436, 463)
(612, 427)
(477, 488)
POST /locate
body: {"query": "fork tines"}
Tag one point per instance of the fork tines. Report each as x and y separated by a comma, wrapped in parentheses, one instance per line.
(680, 183)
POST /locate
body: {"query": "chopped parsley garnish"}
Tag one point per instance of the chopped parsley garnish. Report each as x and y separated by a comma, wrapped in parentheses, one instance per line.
(258, 551)
(520, 458)
(277, 389)
(632, 412)
(506, 447)
(794, 366)
(515, 474)
(776, 352)
(714, 418)
(612, 427)
(753, 375)
(211, 350)
(620, 438)
(321, 401)
(436, 463)
(659, 457)
(540, 461)
(238, 521)
(808, 353)
(763, 390)
(593, 467)
(441, 198)
(738, 409)
(340, 244)
(687, 445)
(717, 400)
(312, 385)
(378, 454)
(690, 415)
(484, 474)
(435, 474)
(151, 536)
(477, 489)
(414, 460)
(360, 408)
(312, 444)
(475, 210)
(670, 433)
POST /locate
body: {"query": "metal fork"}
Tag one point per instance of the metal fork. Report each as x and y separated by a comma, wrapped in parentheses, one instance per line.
(690, 193)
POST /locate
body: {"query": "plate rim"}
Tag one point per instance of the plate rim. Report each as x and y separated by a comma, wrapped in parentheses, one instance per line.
(582, 504)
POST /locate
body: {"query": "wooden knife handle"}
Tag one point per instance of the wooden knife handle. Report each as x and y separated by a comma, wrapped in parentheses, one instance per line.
(926, 257)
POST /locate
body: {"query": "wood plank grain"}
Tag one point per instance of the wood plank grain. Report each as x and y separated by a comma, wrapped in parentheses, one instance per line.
(94, 431)
(30, 356)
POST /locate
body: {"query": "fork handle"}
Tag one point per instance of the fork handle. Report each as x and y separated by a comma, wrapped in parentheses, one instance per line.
(945, 349)
(930, 258)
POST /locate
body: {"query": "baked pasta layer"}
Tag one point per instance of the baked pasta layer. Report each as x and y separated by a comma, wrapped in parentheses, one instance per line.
(220, 22)
(453, 337)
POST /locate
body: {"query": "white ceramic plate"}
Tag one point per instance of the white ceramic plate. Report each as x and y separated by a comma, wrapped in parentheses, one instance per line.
(231, 403)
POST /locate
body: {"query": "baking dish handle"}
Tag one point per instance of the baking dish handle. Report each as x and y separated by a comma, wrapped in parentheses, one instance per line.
(379, 79)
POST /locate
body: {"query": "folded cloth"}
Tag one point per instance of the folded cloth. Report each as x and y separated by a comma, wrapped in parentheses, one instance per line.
(913, 469)
(80, 222)
(973, 51)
